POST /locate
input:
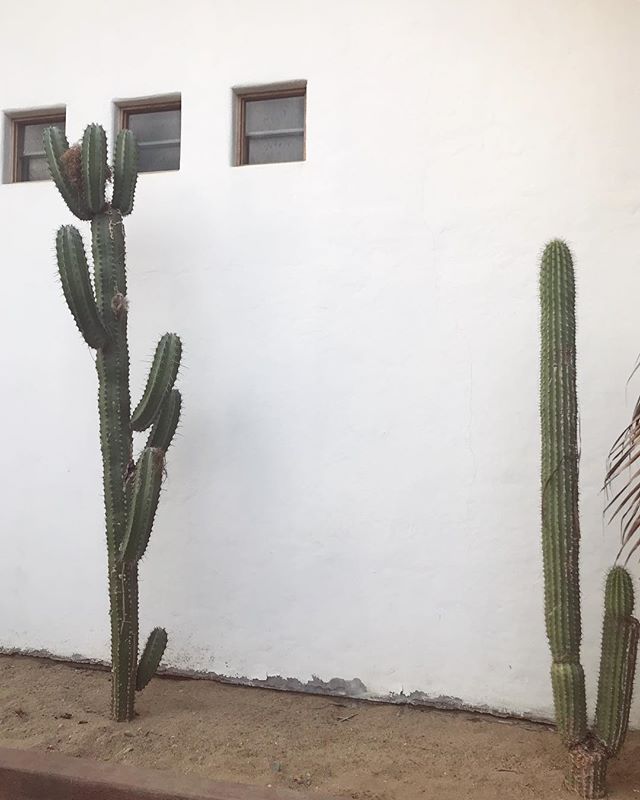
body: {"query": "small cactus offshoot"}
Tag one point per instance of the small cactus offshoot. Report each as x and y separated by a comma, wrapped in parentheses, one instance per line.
(589, 750)
(99, 306)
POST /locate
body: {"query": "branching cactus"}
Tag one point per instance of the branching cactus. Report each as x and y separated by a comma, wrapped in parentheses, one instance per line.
(99, 305)
(589, 750)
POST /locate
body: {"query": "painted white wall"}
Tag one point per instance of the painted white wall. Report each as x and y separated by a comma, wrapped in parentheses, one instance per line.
(355, 492)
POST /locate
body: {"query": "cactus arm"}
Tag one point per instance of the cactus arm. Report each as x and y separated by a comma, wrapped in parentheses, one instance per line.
(76, 286)
(615, 686)
(162, 376)
(144, 503)
(618, 594)
(151, 657)
(125, 172)
(94, 166)
(164, 427)
(560, 523)
(55, 146)
(618, 661)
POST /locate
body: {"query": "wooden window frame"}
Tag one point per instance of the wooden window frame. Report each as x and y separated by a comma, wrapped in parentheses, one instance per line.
(18, 122)
(243, 96)
(125, 108)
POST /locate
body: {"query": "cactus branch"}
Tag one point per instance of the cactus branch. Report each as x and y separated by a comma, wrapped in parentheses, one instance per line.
(151, 657)
(94, 166)
(56, 147)
(125, 172)
(76, 285)
(618, 661)
(144, 503)
(164, 427)
(162, 376)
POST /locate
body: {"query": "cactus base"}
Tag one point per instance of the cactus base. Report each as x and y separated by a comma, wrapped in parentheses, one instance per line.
(588, 775)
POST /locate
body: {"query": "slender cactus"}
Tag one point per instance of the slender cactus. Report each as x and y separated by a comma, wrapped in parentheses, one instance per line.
(560, 522)
(589, 751)
(100, 308)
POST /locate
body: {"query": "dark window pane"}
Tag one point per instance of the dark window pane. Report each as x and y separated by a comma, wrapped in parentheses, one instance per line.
(158, 136)
(279, 114)
(153, 126)
(32, 165)
(157, 158)
(32, 139)
(34, 168)
(275, 149)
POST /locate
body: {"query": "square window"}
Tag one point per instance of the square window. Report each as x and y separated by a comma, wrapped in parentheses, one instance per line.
(270, 124)
(27, 160)
(156, 126)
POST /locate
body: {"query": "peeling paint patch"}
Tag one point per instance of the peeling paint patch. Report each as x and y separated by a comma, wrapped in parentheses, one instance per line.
(340, 687)
(447, 703)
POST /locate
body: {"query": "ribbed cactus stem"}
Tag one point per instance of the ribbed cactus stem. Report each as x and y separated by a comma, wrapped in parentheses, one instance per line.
(125, 172)
(76, 285)
(567, 681)
(112, 364)
(143, 504)
(617, 662)
(131, 491)
(94, 167)
(164, 428)
(560, 523)
(619, 597)
(162, 376)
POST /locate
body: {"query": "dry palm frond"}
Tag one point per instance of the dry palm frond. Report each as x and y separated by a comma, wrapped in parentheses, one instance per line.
(623, 482)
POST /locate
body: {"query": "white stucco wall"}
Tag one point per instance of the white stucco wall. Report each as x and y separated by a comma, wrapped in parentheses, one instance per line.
(355, 491)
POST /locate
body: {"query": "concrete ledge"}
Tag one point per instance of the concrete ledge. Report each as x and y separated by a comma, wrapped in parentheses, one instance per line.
(32, 775)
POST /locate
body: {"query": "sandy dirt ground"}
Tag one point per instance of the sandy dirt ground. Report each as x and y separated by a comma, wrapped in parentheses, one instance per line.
(355, 749)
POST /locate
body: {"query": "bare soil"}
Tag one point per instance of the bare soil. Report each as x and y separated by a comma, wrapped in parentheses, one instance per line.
(361, 750)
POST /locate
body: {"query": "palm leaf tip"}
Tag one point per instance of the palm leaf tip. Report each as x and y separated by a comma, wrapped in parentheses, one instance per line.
(622, 485)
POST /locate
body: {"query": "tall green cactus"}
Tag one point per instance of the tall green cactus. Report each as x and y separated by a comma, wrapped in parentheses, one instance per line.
(589, 751)
(100, 307)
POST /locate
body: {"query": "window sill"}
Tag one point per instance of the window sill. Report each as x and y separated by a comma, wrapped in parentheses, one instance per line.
(44, 182)
(271, 164)
(159, 172)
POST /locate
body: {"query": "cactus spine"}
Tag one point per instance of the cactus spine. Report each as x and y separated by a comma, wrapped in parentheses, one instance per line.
(99, 308)
(589, 751)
